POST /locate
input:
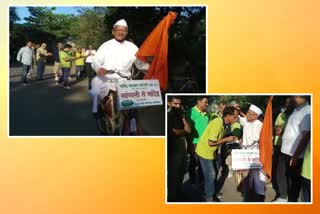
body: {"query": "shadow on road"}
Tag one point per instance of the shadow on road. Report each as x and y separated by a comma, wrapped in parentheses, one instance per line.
(43, 109)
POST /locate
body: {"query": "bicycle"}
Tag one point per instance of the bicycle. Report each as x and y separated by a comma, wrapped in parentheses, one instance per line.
(112, 121)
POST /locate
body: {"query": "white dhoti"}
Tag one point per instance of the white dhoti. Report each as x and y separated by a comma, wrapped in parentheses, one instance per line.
(101, 86)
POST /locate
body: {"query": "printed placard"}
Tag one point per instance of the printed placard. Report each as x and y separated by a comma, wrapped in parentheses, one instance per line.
(138, 93)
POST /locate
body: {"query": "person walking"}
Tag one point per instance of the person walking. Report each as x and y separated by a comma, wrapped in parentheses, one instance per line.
(89, 54)
(56, 65)
(79, 63)
(41, 58)
(25, 56)
(65, 63)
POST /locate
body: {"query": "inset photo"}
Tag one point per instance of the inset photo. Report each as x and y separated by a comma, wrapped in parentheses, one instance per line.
(242, 148)
(101, 71)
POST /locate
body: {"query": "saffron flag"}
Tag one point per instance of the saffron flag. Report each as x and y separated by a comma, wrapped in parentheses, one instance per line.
(266, 140)
(156, 46)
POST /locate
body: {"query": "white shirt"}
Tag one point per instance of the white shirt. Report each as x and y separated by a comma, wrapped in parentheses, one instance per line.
(89, 57)
(251, 133)
(117, 57)
(25, 55)
(298, 122)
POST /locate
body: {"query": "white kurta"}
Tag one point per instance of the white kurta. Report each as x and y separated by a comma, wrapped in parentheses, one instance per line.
(117, 57)
(251, 133)
(251, 136)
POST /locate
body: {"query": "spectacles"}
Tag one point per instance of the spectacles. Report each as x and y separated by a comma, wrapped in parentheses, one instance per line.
(121, 31)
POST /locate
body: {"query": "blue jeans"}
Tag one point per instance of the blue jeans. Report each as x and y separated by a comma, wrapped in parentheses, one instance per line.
(65, 76)
(40, 69)
(209, 174)
(25, 69)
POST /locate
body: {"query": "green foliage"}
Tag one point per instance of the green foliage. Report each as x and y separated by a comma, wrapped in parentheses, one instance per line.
(13, 17)
(244, 101)
(44, 19)
(89, 28)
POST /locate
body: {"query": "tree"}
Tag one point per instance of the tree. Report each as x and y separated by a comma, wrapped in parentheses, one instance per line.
(13, 16)
(43, 19)
(89, 27)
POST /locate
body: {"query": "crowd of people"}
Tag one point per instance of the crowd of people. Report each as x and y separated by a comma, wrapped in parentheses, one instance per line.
(67, 59)
(200, 143)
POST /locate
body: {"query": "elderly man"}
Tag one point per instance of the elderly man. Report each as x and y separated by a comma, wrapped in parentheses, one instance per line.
(25, 56)
(254, 182)
(113, 62)
(41, 58)
(221, 107)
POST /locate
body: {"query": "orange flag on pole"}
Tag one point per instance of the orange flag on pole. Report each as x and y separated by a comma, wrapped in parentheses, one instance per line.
(156, 46)
(266, 140)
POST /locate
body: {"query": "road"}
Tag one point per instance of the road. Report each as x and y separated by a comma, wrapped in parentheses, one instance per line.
(43, 109)
(230, 194)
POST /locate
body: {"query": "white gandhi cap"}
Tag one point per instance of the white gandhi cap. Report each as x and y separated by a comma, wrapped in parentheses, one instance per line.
(121, 22)
(255, 109)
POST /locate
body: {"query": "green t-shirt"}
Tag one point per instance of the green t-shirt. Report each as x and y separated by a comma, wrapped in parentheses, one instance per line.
(80, 59)
(64, 55)
(281, 121)
(198, 121)
(214, 116)
(214, 132)
(306, 167)
(236, 129)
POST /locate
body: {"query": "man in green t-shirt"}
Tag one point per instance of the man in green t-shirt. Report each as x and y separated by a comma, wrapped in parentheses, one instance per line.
(209, 141)
(234, 129)
(79, 62)
(198, 120)
(65, 64)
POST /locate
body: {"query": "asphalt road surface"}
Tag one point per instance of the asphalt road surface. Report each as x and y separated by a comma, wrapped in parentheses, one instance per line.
(230, 194)
(43, 109)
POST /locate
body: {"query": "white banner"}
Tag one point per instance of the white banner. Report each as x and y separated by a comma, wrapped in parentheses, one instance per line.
(138, 93)
(245, 159)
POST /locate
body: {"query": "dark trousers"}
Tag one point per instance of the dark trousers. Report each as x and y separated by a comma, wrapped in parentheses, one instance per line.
(40, 69)
(289, 178)
(306, 187)
(176, 168)
(90, 73)
(249, 193)
(25, 70)
(65, 76)
(275, 162)
(79, 71)
(225, 152)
